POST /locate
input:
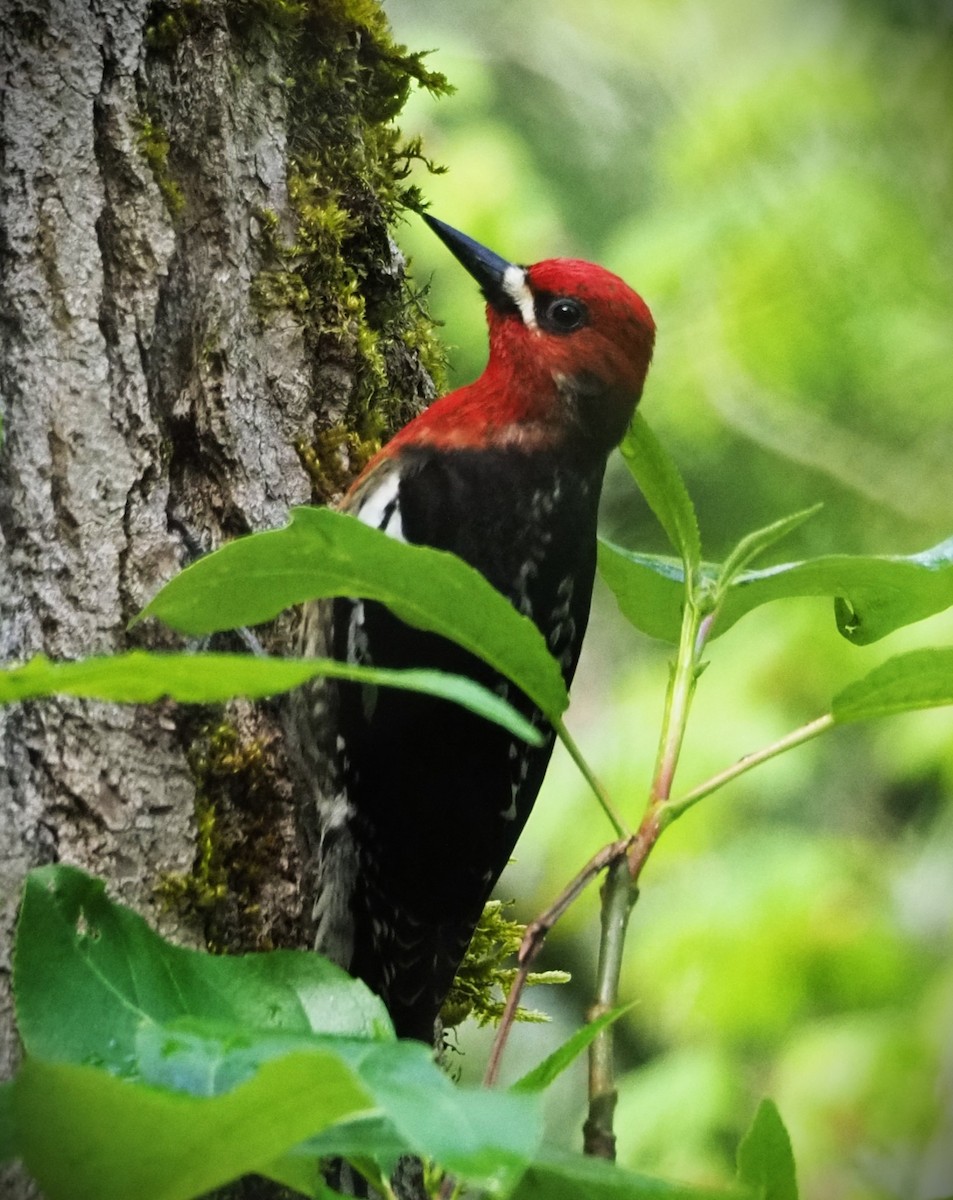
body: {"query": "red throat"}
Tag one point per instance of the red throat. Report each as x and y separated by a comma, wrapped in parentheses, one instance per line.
(502, 407)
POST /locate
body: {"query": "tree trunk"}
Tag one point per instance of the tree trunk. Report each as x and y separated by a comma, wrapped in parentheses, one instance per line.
(204, 321)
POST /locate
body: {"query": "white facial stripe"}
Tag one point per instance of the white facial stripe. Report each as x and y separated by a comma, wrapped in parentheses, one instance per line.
(516, 287)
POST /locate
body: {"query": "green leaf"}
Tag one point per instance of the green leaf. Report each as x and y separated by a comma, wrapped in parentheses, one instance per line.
(752, 545)
(140, 677)
(364, 1137)
(664, 489)
(7, 1138)
(556, 1176)
(86, 1135)
(765, 1159)
(541, 1076)
(301, 1175)
(649, 589)
(873, 596)
(488, 1136)
(323, 553)
(917, 679)
(88, 973)
(204, 1057)
(485, 1137)
(407, 1105)
(96, 990)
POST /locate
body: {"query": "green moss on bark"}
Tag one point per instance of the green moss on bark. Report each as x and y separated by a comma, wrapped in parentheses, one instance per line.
(333, 81)
(327, 258)
(169, 21)
(337, 270)
(236, 841)
(153, 143)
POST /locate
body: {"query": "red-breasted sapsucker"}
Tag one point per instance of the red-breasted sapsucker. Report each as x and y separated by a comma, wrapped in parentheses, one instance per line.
(420, 803)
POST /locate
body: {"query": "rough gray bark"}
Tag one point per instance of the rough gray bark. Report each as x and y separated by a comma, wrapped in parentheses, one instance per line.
(149, 410)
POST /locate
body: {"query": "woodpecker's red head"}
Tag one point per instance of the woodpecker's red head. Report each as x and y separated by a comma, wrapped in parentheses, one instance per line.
(570, 345)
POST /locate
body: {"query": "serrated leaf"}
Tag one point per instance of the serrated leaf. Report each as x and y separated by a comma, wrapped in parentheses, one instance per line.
(754, 544)
(542, 1075)
(141, 677)
(765, 1158)
(917, 679)
(661, 484)
(323, 553)
(873, 595)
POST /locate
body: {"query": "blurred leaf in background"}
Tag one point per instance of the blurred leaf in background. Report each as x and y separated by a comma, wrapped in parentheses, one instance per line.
(777, 181)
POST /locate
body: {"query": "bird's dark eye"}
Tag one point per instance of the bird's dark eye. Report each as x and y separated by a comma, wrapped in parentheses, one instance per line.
(562, 315)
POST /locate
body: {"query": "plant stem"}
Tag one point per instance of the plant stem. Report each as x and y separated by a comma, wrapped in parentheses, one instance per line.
(618, 897)
(449, 1188)
(600, 792)
(797, 737)
(533, 941)
(681, 688)
(621, 887)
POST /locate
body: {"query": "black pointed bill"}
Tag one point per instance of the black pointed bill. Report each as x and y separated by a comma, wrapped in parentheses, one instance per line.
(494, 274)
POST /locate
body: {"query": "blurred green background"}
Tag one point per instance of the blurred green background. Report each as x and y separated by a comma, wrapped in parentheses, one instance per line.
(777, 181)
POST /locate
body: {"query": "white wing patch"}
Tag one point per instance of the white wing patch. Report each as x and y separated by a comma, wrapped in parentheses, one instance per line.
(377, 503)
(379, 507)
